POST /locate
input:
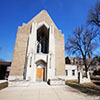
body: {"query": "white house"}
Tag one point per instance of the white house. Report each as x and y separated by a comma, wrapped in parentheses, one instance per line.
(71, 72)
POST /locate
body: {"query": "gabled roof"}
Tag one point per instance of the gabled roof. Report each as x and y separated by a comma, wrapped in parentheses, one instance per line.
(43, 16)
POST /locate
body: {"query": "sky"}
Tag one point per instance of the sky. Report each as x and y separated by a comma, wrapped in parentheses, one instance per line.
(66, 14)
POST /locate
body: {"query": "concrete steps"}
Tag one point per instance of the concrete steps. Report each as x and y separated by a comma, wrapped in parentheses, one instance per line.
(18, 83)
(24, 83)
(56, 81)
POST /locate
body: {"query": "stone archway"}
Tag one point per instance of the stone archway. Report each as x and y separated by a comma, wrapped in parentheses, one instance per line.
(41, 71)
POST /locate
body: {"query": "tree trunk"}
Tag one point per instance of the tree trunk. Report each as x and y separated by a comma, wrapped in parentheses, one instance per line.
(85, 63)
(86, 70)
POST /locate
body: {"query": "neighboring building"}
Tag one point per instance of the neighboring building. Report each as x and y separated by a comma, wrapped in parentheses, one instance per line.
(39, 53)
(74, 60)
(4, 72)
(71, 72)
(95, 66)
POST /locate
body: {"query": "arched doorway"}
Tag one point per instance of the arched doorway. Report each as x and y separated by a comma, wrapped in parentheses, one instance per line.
(41, 71)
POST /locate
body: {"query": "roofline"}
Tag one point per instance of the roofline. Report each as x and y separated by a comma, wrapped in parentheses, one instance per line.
(4, 63)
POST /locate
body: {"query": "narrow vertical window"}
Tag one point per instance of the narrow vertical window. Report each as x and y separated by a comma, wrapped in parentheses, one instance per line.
(66, 72)
(50, 60)
(30, 61)
(55, 71)
(73, 72)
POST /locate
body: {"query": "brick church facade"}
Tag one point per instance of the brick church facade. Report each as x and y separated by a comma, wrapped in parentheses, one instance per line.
(39, 53)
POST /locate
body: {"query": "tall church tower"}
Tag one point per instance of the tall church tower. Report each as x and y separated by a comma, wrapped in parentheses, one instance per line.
(39, 52)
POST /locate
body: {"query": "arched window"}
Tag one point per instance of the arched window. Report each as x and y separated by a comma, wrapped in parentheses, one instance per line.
(43, 39)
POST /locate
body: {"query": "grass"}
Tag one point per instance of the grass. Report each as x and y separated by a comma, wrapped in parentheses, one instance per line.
(95, 78)
(3, 85)
(88, 88)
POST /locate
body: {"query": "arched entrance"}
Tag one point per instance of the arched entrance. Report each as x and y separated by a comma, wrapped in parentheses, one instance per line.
(41, 71)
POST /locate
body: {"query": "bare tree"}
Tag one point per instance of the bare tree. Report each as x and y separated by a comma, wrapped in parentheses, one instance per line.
(82, 43)
(94, 15)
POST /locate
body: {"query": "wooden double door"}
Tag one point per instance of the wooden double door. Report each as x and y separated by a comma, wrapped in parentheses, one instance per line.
(40, 74)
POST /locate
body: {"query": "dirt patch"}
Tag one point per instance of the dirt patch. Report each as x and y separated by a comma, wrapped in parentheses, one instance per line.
(3, 85)
(88, 88)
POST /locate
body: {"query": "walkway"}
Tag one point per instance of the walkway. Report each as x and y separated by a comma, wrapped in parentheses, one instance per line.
(42, 91)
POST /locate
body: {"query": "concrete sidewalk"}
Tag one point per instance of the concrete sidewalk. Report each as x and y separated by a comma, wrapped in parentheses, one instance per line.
(42, 91)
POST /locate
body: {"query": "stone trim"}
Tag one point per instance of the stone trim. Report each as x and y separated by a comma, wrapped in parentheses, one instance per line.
(41, 24)
(11, 78)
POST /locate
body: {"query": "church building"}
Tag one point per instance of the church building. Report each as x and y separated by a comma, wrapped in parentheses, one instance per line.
(39, 53)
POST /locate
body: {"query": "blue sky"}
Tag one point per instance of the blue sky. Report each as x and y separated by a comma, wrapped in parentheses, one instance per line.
(67, 14)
